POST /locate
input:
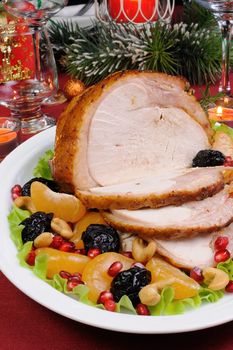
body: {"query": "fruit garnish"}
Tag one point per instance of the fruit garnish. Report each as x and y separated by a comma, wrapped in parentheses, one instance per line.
(26, 189)
(62, 205)
(221, 243)
(93, 252)
(129, 283)
(221, 255)
(95, 274)
(110, 305)
(184, 286)
(229, 287)
(115, 268)
(196, 274)
(100, 236)
(16, 191)
(81, 226)
(207, 158)
(36, 224)
(62, 261)
(142, 310)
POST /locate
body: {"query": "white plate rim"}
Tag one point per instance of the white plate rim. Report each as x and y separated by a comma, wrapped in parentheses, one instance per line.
(205, 317)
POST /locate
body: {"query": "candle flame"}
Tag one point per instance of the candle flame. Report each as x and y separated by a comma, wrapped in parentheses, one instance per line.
(219, 110)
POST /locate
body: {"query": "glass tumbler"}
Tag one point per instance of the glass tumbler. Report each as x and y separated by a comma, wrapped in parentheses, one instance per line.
(27, 74)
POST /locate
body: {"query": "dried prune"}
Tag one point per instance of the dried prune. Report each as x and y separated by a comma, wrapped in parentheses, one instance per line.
(101, 236)
(207, 158)
(36, 224)
(26, 189)
(130, 282)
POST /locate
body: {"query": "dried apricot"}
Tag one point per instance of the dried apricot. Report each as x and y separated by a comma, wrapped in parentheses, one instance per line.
(62, 205)
(184, 286)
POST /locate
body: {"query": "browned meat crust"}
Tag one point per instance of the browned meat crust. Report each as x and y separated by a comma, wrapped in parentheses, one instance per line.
(161, 233)
(133, 202)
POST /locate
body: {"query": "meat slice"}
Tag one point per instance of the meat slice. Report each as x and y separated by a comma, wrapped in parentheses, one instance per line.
(188, 252)
(172, 222)
(127, 127)
(173, 187)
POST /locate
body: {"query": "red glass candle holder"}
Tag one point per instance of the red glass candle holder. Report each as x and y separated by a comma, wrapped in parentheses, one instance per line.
(9, 135)
(136, 11)
(17, 61)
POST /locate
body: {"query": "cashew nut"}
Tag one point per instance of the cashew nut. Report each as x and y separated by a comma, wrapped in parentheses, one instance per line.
(25, 202)
(142, 252)
(149, 295)
(61, 227)
(43, 240)
(214, 278)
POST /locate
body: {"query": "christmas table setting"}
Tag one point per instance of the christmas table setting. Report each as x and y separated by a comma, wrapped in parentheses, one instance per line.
(55, 59)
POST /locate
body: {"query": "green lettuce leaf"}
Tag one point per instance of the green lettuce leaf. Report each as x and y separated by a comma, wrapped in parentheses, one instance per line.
(210, 296)
(15, 217)
(227, 266)
(23, 253)
(42, 169)
(167, 296)
(125, 305)
(216, 126)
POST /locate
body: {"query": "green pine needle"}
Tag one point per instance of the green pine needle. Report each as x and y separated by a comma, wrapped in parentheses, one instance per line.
(187, 49)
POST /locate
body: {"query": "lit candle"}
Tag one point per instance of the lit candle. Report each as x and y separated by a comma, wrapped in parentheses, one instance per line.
(8, 141)
(220, 114)
(137, 11)
(9, 135)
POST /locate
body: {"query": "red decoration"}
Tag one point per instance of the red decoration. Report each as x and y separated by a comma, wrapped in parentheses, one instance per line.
(16, 51)
(131, 7)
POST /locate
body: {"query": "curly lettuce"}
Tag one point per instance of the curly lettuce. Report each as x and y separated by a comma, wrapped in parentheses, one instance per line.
(42, 168)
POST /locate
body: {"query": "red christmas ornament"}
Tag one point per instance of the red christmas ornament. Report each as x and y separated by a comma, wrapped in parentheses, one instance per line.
(133, 10)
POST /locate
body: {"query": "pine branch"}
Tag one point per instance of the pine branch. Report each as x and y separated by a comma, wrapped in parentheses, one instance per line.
(198, 51)
(207, 100)
(181, 49)
(195, 13)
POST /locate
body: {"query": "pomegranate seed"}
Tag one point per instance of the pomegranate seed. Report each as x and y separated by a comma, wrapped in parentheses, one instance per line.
(64, 274)
(77, 275)
(229, 287)
(196, 274)
(93, 252)
(16, 191)
(221, 255)
(104, 296)
(67, 247)
(76, 279)
(228, 159)
(80, 251)
(221, 243)
(72, 284)
(115, 268)
(31, 258)
(142, 310)
(110, 305)
(127, 254)
(57, 242)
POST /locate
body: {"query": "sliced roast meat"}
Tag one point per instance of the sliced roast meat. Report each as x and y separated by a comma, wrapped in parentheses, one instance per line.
(127, 127)
(173, 187)
(189, 219)
(187, 252)
(197, 251)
